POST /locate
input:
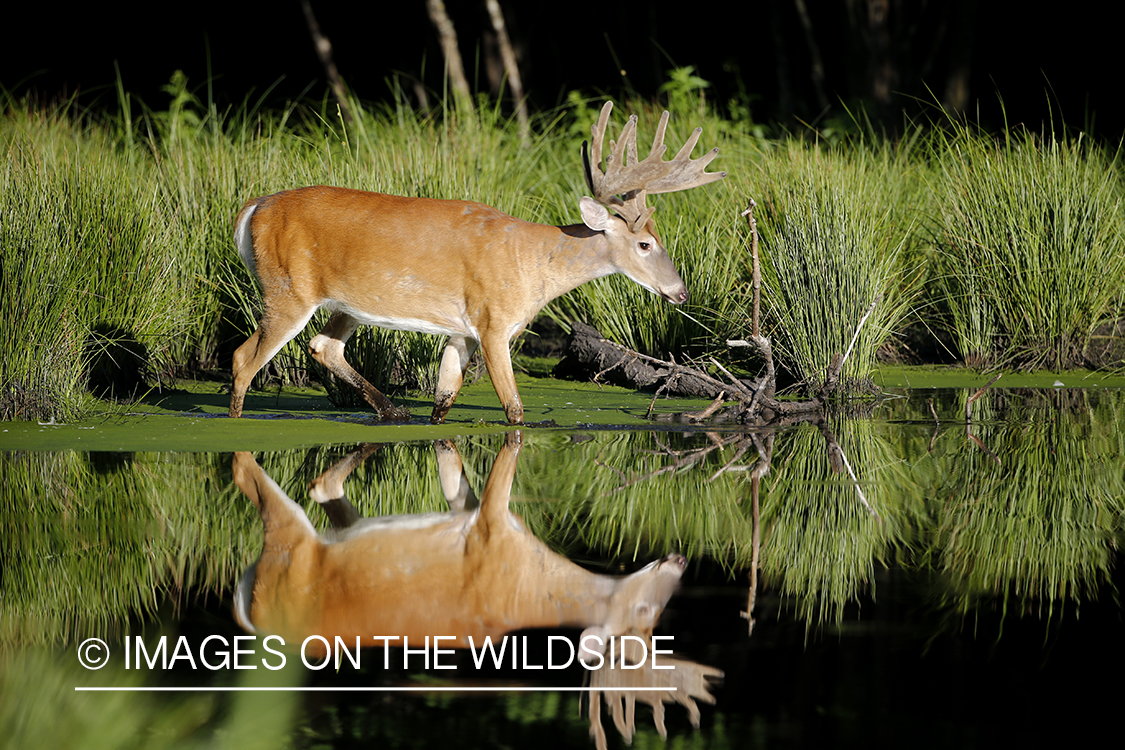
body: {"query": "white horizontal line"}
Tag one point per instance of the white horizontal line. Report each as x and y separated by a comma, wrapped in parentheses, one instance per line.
(436, 688)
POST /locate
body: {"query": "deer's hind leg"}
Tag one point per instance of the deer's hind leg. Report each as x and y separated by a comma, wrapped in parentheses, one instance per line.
(278, 326)
(327, 348)
(328, 488)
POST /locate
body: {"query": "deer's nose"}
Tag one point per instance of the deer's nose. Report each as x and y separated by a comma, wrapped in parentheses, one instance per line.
(677, 559)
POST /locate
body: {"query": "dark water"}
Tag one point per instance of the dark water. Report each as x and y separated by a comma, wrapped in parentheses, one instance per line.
(913, 582)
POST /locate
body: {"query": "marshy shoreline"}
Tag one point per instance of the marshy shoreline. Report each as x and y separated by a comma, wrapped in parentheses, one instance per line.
(991, 251)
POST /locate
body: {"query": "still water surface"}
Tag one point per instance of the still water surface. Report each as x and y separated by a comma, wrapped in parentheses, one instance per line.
(885, 579)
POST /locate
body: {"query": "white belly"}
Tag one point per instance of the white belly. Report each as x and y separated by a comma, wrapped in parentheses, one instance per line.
(449, 327)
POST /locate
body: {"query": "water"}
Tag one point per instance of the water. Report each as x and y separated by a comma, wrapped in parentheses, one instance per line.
(911, 581)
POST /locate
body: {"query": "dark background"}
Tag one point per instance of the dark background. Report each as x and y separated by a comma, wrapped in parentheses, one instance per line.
(1045, 64)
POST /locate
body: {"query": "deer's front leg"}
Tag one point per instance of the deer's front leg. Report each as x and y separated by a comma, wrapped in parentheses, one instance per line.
(451, 373)
(498, 360)
(451, 472)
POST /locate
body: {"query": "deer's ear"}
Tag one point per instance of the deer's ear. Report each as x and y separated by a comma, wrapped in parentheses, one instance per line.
(594, 214)
(644, 616)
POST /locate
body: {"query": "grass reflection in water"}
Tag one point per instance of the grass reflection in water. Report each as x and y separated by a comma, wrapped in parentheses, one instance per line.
(1018, 512)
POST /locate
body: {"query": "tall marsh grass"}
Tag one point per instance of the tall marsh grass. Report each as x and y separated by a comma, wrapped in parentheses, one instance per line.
(115, 231)
(86, 264)
(837, 231)
(1030, 239)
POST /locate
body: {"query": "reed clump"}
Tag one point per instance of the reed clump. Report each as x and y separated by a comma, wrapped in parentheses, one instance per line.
(1029, 235)
(838, 238)
(89, 267)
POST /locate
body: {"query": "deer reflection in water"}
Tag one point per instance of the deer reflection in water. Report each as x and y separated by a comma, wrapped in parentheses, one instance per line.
(472, 572)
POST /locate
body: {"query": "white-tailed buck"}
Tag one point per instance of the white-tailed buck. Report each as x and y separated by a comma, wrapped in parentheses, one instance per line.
(474, 571)
(455, 268)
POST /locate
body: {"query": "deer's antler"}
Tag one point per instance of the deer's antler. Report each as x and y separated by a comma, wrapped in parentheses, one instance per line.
(679, 680)
(625, 180)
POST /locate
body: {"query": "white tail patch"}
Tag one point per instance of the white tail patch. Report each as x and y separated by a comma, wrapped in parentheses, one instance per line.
(244, 240)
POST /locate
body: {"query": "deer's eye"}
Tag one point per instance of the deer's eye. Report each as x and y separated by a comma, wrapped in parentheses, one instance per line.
(644, 246)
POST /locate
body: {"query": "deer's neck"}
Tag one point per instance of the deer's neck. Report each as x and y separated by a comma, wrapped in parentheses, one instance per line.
(569, 257)
(558, 594)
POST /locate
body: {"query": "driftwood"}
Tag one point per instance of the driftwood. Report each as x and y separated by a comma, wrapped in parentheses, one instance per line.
(591, 356)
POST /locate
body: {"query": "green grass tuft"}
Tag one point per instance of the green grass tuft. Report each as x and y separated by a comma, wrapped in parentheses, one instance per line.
(1030, 235)
(836, 229)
